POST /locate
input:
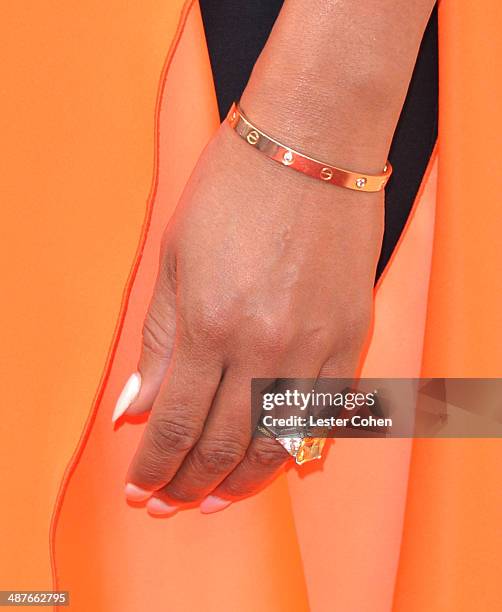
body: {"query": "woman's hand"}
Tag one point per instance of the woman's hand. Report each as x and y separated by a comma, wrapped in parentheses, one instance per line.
(264, 273)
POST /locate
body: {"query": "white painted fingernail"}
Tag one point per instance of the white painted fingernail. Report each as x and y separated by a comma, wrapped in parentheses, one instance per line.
(157, 507)
(128, 395)
(136, 494)
(214, 504)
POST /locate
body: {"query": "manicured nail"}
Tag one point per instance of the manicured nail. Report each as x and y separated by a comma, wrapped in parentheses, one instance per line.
(157, 507)
(214, 504)
(128, 395)
(136, 494)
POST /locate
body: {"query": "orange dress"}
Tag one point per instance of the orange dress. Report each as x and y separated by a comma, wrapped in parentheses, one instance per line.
(105, 96)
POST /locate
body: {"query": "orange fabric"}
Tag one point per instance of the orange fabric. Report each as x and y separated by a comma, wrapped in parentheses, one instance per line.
(197, 562)
(79, 84)
(452, 538)
(379, 524)
(465, 313)
(364, 482)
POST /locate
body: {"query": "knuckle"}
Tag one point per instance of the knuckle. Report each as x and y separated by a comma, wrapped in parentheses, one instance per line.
(236, 488)
(173, 434)
(273, 333)
(150, 468)
(315, 339)
(182, 494)
(155, 335)
(358, 324)
(268, 454)
(219, 458)
(351, 330)
(206, 322)
(166, 280)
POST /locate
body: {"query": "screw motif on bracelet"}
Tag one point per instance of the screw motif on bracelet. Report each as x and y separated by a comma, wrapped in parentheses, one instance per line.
(303, 163)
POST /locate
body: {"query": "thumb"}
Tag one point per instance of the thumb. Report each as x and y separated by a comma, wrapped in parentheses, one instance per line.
(142, 387)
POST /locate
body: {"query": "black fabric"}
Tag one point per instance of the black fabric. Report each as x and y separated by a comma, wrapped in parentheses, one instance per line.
(237, 30)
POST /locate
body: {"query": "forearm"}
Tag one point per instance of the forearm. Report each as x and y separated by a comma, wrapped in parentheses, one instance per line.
(334, 74)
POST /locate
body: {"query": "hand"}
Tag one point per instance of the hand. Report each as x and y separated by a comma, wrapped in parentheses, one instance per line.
(264, 273)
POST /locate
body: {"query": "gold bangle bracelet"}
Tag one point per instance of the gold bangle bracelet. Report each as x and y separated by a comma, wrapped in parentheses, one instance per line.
(302, 163)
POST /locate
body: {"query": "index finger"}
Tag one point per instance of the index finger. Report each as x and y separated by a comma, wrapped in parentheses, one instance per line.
(176, 421)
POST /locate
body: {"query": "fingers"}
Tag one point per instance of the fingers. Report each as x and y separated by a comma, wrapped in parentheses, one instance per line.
(142, 387)
(264, 459)
(198, 444)
(176, 421)
(221, 447)
(264, 456)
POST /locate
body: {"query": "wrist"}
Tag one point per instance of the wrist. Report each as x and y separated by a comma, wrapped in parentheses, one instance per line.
(333, 76)
(296, 160)
(349, 124)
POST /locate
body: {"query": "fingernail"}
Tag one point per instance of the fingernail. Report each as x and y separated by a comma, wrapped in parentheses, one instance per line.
(157, 507)
(136, 494)
(128, 395)
(214, 504)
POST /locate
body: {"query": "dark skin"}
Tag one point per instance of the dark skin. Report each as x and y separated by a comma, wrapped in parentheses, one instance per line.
(266, 272)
